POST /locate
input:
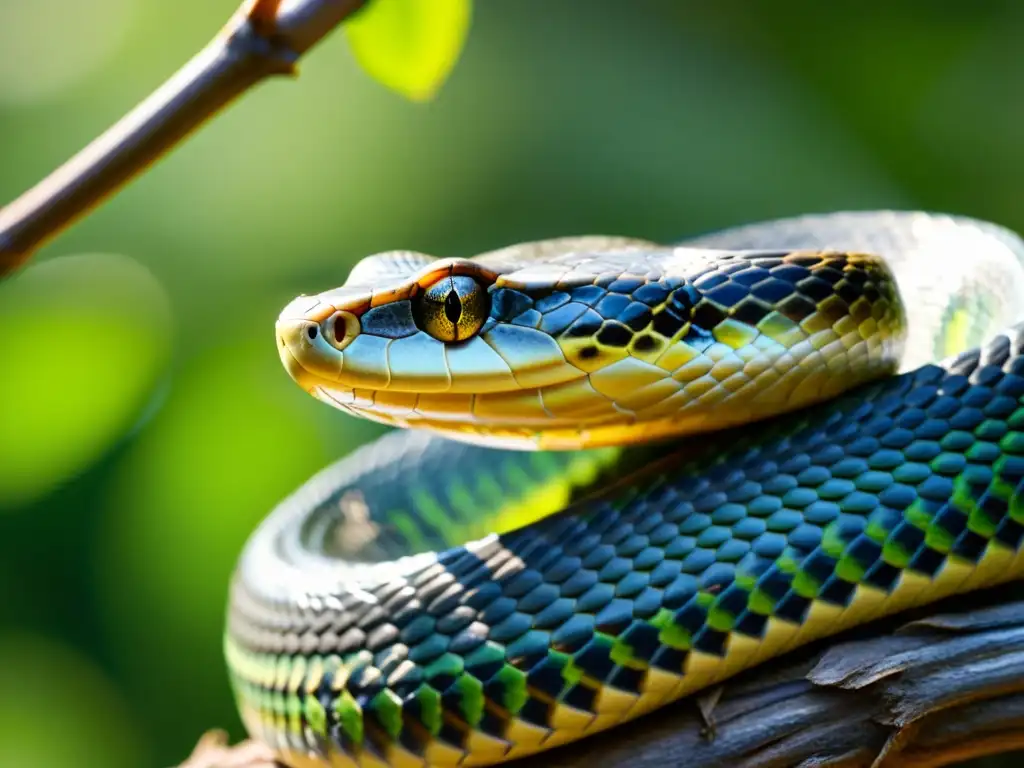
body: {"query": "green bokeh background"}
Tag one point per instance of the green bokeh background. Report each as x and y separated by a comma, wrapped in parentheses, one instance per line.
(145, 422)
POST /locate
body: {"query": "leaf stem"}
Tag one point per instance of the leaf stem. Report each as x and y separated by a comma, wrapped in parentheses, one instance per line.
(264, 38)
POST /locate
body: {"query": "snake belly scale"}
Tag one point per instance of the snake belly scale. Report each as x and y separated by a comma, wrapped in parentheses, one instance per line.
(664, 528)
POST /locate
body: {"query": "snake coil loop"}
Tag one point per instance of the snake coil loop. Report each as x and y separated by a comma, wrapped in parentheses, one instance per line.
(597, 585)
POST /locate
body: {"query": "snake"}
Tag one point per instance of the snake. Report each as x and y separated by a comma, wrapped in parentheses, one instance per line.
(626, 472)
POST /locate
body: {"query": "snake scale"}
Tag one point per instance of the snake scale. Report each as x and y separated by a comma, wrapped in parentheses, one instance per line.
(733, 447)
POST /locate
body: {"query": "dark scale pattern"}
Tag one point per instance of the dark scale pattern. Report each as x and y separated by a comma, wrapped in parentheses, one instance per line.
(643, 315)
(830, 507)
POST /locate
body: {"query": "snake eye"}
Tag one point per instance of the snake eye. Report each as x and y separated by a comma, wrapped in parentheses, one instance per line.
(452, 309)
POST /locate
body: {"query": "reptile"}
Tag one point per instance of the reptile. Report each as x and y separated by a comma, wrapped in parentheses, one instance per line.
(633, 470)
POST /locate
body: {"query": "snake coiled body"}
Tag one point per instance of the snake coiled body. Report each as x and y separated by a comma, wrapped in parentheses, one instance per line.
(361, 631)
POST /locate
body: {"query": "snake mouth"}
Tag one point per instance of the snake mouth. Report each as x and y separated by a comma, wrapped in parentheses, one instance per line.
(498, 402)
(324, 347)
(448, 416)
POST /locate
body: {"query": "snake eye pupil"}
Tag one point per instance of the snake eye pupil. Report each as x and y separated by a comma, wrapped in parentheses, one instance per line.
(452, 307)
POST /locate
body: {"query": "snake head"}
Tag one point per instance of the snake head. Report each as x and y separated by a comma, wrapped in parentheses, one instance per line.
(592, 341)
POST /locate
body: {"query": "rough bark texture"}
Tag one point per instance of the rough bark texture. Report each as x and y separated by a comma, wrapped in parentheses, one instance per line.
(934, 687)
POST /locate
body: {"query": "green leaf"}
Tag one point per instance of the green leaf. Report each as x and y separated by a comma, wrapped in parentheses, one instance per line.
(410, 45)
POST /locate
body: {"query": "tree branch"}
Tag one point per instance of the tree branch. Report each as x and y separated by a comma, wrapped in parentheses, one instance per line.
(264, 38)
(932, 688)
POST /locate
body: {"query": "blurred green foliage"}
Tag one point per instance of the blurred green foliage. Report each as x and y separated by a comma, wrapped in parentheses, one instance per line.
(410, 45)
(145, 423)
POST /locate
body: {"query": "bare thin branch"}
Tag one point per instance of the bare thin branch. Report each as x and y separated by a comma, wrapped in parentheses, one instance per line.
(264, 38)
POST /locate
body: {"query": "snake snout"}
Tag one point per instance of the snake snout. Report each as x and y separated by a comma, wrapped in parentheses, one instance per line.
(306, 350)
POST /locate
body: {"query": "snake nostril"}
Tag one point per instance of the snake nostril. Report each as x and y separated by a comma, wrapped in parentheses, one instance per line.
(340, 329)
(312, 331)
